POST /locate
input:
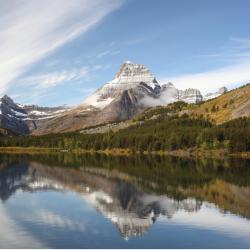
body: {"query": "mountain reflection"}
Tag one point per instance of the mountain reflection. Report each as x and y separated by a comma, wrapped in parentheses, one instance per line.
(133, 203)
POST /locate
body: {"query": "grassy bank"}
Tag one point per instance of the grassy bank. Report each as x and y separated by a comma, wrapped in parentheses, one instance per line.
(189, 153)
(27, 150)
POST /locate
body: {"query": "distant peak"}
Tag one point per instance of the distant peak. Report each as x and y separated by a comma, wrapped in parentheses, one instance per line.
(6, 97)
(128, 62)
(169, 84)
(129, 67)
(134, 73)
(222, 90)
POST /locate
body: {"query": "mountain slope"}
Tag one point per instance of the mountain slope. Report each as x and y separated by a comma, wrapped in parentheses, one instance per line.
(133, 90)
(228, 106)
(231, 105)
(22, 119)
(137, 78)
(209, 96)
(129, 76)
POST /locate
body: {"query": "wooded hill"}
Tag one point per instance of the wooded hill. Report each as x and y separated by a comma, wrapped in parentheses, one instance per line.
(209, 125)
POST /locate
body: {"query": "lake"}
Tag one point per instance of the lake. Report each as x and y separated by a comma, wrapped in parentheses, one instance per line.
(97, 201)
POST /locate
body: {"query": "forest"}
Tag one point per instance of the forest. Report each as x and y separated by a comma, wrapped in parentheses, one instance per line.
(165, 131)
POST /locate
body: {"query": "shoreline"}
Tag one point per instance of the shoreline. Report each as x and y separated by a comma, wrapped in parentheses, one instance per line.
(189, 153)
(28, 150)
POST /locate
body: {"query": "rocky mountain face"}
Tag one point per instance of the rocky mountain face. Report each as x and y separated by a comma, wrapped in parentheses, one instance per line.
(23, 119)
(12, 116)
(209, 96)
(133, 79)
(227, 106)
(133, 89)
(143, 87)
(170, 94)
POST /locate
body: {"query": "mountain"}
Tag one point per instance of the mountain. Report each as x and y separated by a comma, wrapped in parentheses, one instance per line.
(141, 88)
(130, 76)
(221, 91)
(133, 90)
(170, 94)
(22, 119)
(224, 108)
(12, 116)
(231, 105)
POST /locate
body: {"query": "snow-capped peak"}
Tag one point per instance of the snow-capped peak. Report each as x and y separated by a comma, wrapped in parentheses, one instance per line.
(128, 62)
(129, 76)
(221, 91)
(131, 73)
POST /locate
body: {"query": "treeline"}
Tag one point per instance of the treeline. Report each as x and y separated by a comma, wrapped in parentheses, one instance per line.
(164, 132)
(164, 171)
(234, 135)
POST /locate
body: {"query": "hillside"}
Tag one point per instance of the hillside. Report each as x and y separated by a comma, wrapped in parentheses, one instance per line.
(220, 124)
(162, 134)
(228, 106)
(231, 105)
(133, 89)
(6, 133)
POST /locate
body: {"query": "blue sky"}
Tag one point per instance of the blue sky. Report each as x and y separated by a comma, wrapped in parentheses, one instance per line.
(58, 52)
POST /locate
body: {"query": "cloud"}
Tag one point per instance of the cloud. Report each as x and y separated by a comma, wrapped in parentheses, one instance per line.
(53, 79)
(134, 41)
(236, 54)
(115, 47)
(230, 76)
(129, 42)
(107, 52)
(205, 218)
(52, 219)
(41, 84)
(101, 67)
(104, 53)
(30, 30)
(234, 51)
(12, 235)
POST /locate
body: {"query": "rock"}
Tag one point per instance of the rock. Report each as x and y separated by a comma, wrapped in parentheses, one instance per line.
(190, 95)
(23, 119)
(129, 76)
(133, 89)
(221, 91)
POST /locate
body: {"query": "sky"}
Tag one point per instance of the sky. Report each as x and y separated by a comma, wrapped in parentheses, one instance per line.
(59, 52)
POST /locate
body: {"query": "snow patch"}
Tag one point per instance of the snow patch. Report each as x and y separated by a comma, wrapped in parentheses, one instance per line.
(17, 113)
(96, 101)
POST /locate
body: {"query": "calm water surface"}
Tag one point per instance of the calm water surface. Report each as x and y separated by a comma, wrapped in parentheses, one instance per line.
(70, 201)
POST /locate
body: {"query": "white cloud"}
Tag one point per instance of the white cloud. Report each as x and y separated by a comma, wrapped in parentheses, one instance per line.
(56, 78)
(52, 219)
(104, 53)
(101, 67)
(209, 217)
(237, 55)
(230, 76)
(12, 235)
(107, 52)
(42, 83)
(30, 30)
(234, 51)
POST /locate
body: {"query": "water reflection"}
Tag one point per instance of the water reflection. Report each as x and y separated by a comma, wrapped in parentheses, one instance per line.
(133, 200)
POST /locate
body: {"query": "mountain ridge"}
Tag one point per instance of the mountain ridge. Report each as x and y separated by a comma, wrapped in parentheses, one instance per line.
(133, 89)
